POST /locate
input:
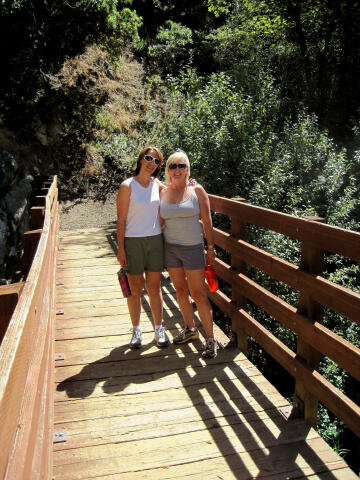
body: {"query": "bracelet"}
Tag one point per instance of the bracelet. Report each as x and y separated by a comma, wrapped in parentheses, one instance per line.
(211, 247)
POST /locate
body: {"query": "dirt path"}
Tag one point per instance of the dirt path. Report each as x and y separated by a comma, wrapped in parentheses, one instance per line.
(87, 213)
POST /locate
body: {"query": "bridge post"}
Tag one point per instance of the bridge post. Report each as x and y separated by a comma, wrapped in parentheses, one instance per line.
(312, 261)
(238, 230)
(9, 296)
(37, 217)
(30, 244)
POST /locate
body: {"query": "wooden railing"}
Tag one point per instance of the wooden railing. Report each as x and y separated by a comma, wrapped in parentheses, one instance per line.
(28, 308)
(313, 338)
(27, 350)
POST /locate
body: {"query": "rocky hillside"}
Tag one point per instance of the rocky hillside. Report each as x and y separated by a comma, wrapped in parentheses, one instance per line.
(94, 106)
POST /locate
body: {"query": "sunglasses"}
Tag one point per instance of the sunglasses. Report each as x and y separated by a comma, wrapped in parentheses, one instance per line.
(149, 159)
(173, 166)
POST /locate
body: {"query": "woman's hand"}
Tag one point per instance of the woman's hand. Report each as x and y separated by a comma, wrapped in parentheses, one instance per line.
(122, 206)
(192, 182)
(210, 255)
(121, 256)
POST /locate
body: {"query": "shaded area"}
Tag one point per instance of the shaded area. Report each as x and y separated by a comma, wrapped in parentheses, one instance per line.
(170, 407)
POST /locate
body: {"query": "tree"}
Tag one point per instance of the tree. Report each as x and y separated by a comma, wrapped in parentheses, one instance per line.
(173, 49)
(40, 36)
(311, 48)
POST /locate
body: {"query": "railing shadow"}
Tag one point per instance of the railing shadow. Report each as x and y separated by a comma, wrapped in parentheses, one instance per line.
(239, 416)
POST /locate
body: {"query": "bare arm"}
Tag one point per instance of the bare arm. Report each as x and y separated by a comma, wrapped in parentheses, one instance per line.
(205, 215)
(161, 193)
(122, 207)
(161, 185)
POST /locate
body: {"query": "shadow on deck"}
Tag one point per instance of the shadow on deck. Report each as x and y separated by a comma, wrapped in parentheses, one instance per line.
(161, 413)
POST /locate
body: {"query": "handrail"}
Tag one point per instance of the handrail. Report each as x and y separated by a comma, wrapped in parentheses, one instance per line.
(27, 353)
(305, 321)
(27, 349)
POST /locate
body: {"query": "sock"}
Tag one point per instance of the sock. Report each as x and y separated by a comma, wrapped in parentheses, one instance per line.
(137, 327)
(157, 327)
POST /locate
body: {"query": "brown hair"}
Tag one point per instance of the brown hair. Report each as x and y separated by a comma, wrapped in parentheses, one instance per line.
(141, 156)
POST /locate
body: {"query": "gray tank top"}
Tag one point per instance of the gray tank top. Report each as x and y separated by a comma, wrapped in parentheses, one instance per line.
(182, 225)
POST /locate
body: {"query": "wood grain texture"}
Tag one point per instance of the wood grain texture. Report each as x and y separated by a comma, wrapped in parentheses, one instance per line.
(162, 413)
(26, 363)
(337, 240)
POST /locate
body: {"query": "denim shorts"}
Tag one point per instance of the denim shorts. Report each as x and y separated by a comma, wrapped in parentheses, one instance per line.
(190, 257)
(144, 254)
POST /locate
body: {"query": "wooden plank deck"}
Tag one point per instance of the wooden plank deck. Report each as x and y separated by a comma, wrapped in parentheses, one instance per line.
(161, 413)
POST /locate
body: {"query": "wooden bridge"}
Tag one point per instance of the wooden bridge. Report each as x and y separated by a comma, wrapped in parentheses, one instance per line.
(77, 403)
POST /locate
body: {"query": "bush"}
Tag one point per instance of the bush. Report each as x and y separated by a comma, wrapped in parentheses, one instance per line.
(173, 48)
(241, 145)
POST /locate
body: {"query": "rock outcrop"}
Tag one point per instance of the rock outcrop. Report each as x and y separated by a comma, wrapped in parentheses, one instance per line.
(15, 191)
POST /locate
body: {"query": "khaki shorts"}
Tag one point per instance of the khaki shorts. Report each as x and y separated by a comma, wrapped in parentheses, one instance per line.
(190, 257)
(144, 254)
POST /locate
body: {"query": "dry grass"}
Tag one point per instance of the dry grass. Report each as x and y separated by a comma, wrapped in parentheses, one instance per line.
(121, 87)
(119, 91)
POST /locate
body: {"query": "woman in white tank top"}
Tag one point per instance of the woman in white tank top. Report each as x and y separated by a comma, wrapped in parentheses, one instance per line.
(181, 208)
(140, 241)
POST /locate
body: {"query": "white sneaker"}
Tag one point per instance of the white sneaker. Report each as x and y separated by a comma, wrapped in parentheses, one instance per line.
(161, 338)
(136, 339)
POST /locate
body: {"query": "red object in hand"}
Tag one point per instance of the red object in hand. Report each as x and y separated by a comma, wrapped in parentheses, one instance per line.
(124, 283)
(211, 278)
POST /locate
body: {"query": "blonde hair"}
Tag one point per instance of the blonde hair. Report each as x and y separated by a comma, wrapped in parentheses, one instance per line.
(178, 155)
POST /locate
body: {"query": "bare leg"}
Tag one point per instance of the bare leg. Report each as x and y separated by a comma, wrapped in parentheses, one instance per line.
(197, 286)
(155, 296)
(178, 279)
(136, 283)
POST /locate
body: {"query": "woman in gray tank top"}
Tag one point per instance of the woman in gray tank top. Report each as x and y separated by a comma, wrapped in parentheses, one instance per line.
(181, 207)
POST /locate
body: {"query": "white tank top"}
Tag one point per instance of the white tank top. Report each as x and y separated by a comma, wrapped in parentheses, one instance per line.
(142, 219)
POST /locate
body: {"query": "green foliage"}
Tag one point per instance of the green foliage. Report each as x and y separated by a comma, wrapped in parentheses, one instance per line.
(274, 77)
(127, 28)
(241, 145)
(330, 429)
(306, 176)
(250, 38)
(218, 122)
(40, 36)
(117, 163)
(307, 46)
(219, 7)
(173, 48)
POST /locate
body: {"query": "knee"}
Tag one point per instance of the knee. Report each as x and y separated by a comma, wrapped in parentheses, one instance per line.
(199, 295)
(136, 290)
(153, 290)
(182, 291)
(136, 287)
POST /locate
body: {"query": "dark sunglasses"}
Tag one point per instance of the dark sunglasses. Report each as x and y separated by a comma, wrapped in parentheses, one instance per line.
(149, 159)
(173, 166)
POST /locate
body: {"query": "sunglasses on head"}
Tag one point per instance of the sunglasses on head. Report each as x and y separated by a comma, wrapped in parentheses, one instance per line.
(173, 166)
(149, 159)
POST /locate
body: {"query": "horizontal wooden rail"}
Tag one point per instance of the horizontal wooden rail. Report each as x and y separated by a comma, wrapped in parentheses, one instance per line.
(27, 349)
(335, 297)
(313, 338)
(331, 397)
(26, 358)
(335, 240)
(342, 352)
